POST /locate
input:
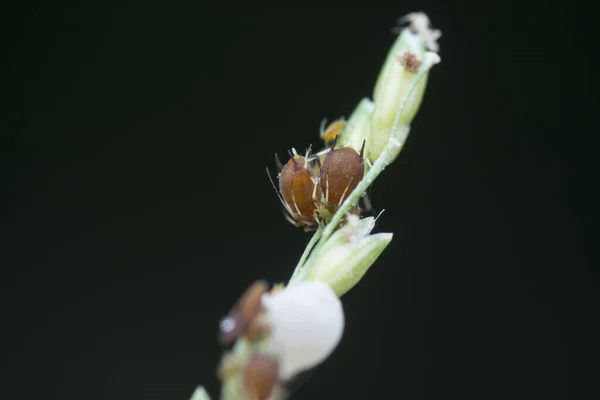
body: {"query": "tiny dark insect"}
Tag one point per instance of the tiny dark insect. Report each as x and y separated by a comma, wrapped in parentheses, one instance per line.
(298, 191)
(342, 170)
(241, 320)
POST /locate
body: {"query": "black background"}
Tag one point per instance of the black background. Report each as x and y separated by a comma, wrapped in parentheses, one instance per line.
(135, 205)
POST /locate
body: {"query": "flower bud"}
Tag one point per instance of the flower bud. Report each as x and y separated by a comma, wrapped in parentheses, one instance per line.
(306, 322)
(200, 394)
(407, 56)
(358, 127)
(347, 255)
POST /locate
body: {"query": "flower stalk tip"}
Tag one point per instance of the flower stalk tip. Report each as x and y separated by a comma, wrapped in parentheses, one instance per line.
(399, 83)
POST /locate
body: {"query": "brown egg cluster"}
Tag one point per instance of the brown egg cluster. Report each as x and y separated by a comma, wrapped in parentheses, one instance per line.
(313, 187)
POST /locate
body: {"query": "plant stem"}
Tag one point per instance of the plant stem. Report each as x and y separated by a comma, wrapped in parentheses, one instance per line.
(315, 238)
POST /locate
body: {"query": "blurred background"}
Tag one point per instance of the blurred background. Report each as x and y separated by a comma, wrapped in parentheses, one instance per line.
(135, 207)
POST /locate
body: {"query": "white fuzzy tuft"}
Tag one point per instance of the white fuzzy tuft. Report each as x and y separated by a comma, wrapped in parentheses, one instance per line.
(419, 23)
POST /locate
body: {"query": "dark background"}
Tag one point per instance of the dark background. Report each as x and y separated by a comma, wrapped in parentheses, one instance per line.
(135, 205)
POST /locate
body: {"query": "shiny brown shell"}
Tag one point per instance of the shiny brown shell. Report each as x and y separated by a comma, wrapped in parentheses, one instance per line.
(342, 170)
(299, 192)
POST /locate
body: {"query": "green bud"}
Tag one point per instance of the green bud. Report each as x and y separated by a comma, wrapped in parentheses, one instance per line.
(347, 255)
(407, 56)
(200, 394)
(392, 85)
(358, 127)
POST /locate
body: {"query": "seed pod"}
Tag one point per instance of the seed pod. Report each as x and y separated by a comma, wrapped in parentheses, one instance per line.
(239, 320)
(298, 192)
(297, 187)
(342, 170)
(261, 377)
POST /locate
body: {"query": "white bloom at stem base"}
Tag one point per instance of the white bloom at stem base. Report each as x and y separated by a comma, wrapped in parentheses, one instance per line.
(347, 255)
(306, 322)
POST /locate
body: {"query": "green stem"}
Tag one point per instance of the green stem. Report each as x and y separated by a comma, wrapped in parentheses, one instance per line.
(315, 238)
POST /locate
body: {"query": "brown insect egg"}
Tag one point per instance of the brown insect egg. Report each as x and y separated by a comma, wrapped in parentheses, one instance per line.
(342, 170)
(332, 130)
(296, 187)
(261, 377)
(242, 315)
(298, 191)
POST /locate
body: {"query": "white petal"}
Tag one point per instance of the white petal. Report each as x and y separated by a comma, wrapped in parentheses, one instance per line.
(307, 321)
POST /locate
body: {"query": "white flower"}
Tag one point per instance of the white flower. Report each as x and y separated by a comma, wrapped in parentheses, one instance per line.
(306, 323)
